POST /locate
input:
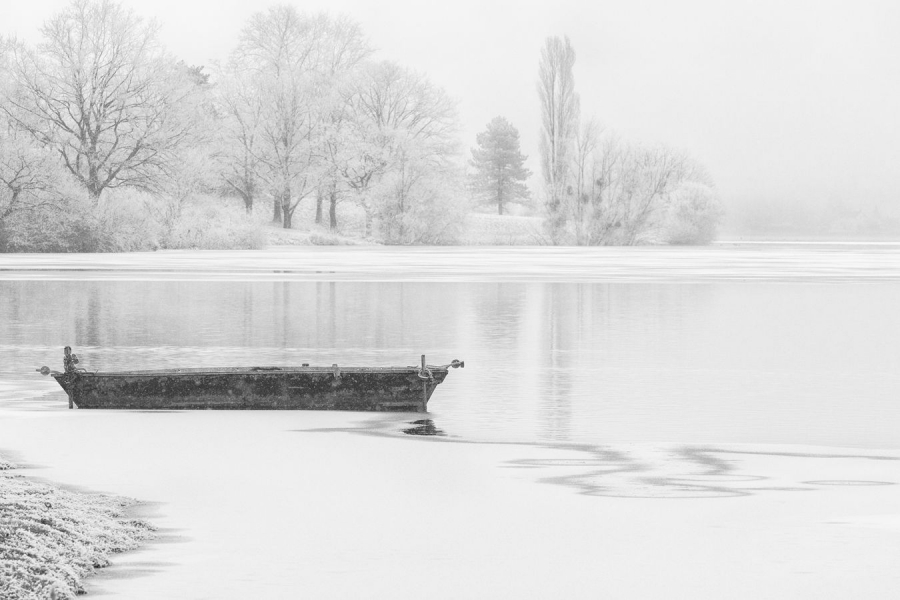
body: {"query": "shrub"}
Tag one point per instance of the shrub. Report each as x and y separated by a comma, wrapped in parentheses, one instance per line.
(692, 216)
(68, 225)
(129, 220)
(209, 224)
(433, 211)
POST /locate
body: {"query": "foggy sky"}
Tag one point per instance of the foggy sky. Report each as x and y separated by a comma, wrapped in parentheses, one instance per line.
(782, 100)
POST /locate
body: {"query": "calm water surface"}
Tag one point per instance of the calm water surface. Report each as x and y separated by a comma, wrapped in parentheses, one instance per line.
(761, 343)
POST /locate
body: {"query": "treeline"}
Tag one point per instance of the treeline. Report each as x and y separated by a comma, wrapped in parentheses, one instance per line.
(108, 142)
(300, 113)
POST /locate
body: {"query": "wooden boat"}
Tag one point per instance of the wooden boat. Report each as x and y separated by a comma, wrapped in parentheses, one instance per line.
(255, 388)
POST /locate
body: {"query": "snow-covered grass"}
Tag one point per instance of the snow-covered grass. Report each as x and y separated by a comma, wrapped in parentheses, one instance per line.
(311, 235)
(503, 230)
(51, 538)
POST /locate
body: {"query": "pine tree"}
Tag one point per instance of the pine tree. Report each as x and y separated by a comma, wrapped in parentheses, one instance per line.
(499, 165)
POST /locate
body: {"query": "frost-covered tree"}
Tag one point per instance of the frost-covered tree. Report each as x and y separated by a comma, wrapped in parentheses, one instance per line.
(29, 171)
(406, 139)
(293, 61)
(104, 96)
(559, 123)
(499, 171)
(628, 192)
(236, 142)
(347, 153)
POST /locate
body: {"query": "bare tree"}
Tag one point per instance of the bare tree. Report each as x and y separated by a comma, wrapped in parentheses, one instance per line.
(631, 189)
(27, 173)
(398, 99)
(559, 124)
(341, 146)
(294, 60)
(607, 162)
(654, 173)
(407, 128)
(103, 95)
(237, 146)
(585, 146)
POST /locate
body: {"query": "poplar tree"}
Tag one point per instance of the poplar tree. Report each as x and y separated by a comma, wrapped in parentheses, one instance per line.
(560, 110)
(499, 165)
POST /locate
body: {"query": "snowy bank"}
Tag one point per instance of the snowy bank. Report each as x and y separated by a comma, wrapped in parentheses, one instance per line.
(51, 538)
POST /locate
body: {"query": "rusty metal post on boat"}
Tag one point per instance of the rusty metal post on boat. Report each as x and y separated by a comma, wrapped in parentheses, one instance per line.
(424, 387)
(69, 367)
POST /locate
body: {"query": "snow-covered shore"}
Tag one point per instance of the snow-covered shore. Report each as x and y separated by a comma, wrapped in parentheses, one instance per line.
(52, 538)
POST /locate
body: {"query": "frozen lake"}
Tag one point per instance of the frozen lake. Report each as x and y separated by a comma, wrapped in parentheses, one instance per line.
(640, 422)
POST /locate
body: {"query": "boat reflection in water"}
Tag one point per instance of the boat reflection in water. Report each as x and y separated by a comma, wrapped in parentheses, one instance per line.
(424, 427)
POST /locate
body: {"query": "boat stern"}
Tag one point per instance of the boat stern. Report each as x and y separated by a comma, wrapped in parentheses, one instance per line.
(66, 378)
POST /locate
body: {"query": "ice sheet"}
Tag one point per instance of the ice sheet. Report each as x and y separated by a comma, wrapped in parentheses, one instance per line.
(341, 505)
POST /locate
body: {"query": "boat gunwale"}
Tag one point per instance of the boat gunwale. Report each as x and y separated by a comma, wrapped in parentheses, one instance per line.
(260, 371)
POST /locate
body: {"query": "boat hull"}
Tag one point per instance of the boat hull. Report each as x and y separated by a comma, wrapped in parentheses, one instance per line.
(305, 388)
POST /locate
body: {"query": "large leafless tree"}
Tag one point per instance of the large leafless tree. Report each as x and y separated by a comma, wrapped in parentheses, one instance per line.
(293, 61)
(103, 95)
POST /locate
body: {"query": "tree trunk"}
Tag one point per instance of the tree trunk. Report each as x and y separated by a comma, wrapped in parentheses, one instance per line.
(332, 210)
(286, 210)
(94, 187)
(12, 204)
(276, 210)
(401, 230)
(319, 202)
(94, 193)
(248, 201)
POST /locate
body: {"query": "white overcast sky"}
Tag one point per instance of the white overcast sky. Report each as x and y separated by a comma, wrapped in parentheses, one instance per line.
(782, 100)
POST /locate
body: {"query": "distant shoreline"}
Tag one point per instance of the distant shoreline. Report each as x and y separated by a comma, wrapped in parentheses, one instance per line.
(812, 239)
(740, 261)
